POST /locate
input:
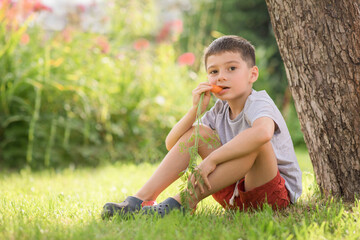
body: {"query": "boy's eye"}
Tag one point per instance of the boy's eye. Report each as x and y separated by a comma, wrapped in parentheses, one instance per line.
(232, 68)
(213, 71)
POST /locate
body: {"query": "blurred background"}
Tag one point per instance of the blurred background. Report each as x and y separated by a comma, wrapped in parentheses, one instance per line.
(86, 83)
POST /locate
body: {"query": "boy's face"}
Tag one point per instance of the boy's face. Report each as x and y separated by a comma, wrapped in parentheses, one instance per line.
(232, 73)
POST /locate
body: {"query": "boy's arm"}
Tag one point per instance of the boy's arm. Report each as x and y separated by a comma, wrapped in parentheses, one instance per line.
(188, 120)
(180, 128)
(245, 142)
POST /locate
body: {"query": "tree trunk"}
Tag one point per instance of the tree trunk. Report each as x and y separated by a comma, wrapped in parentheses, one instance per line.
(319, 41)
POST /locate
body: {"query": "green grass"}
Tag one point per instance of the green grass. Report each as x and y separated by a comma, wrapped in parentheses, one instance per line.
(67, 205)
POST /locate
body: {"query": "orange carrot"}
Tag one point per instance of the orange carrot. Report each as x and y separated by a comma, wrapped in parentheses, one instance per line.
(216, 88)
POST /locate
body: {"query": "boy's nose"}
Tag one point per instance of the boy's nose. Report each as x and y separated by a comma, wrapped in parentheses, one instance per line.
(221, 77)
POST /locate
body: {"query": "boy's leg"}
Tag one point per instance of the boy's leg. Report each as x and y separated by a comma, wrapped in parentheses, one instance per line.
(174, 163)
(258, 168)
(168, 171)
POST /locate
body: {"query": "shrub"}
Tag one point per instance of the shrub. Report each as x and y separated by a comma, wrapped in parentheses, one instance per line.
(77, 97)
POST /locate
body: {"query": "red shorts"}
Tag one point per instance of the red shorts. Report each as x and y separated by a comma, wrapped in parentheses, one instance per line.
(273, 192)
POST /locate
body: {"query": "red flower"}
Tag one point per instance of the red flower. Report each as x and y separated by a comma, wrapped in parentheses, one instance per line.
(186, 59)
(38, 6)
(170, 29)
(25, 39)
(141, 44)
(103, 44)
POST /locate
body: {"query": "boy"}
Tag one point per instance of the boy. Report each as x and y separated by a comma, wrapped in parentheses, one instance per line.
(255, 162)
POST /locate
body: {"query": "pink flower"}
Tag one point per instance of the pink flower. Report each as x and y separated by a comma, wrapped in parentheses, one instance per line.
(177, 26)
(141, 44)
(11, 11)
(103, 44)
(67, 34)
(186, 59)
(25, 39)
(81, 7)
(120, 56)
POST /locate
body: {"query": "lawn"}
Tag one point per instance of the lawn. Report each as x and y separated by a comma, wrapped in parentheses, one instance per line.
(67, 205)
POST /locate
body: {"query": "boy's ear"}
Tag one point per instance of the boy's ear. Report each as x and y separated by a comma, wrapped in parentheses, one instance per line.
(254, 74)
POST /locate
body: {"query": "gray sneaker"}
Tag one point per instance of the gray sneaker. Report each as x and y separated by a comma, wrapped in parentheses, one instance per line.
(125, 208)
(163, 208)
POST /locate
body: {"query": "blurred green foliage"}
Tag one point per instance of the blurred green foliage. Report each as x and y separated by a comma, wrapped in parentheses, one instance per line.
(80, 98)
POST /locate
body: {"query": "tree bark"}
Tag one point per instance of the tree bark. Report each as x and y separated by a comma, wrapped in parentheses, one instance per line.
(319, 41)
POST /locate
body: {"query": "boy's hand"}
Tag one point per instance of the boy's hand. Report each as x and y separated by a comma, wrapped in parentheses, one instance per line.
(203, 87)
(200, 177)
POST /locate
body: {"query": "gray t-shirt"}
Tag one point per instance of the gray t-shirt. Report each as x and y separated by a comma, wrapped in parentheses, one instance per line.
(257, 105)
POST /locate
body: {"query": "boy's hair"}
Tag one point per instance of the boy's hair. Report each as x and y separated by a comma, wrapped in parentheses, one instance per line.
(232, 43)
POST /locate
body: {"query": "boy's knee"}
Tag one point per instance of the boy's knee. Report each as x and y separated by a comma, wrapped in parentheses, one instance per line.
(207, 136)
(207, 139)
(205, 130)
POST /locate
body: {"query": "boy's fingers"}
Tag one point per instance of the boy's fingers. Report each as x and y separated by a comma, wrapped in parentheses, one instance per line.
(201, 90)
(201, 187)
(206, 84)
(207, 183)
(192, 184)
(198, 179)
